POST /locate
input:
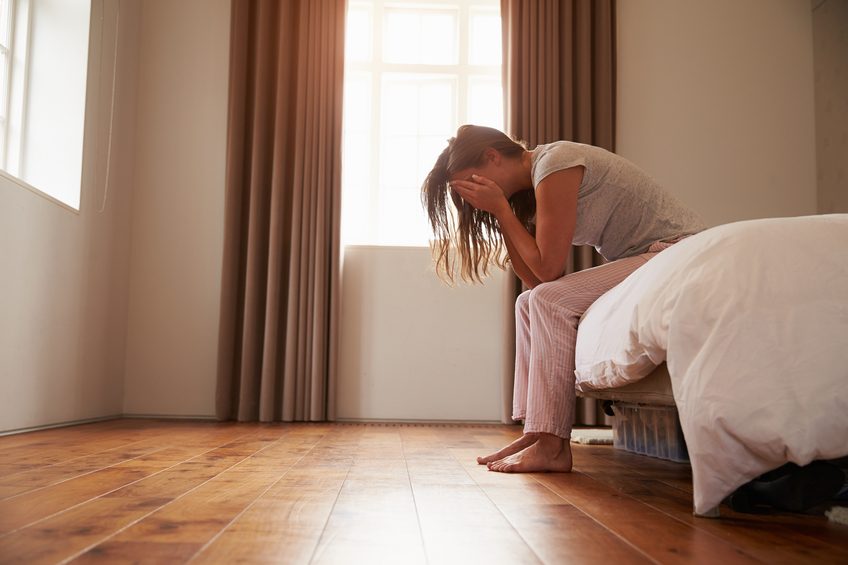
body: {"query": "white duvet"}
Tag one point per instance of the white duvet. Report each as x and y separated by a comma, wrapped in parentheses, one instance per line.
(752, 319)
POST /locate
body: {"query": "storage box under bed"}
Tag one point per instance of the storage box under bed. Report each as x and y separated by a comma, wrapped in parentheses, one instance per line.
(649, 430)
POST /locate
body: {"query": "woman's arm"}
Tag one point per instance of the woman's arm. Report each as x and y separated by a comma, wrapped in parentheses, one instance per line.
(546, 254)
(520, 267)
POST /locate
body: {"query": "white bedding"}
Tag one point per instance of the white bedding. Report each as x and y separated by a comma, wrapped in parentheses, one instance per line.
(752, 319)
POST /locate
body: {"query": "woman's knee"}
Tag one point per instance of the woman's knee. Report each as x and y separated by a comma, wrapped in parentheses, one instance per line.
(548, 292)
(556, 293)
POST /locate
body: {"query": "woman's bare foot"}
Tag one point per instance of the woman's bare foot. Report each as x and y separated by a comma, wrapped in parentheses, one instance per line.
(518, 445)
(549, 453)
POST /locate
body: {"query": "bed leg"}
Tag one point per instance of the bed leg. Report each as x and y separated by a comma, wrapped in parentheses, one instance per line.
(711, 513)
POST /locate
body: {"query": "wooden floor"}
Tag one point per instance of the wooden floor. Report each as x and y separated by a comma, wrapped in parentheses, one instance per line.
(154, 491)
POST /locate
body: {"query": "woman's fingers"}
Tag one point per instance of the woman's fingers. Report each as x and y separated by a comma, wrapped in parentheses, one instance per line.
(482, 193)
(464, 184)
(479, 184)
(484, 181)
(476, 182)
(466, 190)
(462, 189)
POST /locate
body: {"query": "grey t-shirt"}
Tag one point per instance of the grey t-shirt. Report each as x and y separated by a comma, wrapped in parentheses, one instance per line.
(621, 211)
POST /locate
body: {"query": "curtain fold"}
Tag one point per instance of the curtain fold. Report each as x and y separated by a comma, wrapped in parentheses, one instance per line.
(278, 336)
(559, 84)
(559, 70)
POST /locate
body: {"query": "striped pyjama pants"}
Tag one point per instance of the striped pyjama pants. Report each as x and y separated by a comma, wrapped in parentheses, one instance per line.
(546, 320)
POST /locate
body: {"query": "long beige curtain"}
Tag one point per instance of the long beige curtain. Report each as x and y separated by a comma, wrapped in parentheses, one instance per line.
(559, 84)
(280, 284)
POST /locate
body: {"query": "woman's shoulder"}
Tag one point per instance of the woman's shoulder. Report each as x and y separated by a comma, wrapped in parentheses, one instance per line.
(559, 155)
(567, 149)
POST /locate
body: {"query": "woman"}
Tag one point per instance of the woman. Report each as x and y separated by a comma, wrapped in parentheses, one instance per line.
(534, 205)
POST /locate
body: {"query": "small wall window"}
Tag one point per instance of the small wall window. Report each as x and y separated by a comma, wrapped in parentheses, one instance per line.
(5, 59)
(44, 50)
(414, 71)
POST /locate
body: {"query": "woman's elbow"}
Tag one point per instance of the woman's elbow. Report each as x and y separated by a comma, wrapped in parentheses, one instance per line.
(550, 274)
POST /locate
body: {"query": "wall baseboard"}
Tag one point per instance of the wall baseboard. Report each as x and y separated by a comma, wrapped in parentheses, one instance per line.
(60, 425)
(168, 417)
(373, 422)
(102, 419)
(390, 422)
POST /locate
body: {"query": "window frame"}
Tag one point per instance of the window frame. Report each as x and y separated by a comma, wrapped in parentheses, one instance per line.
(7, 52)
(464, 73)
(30, 92)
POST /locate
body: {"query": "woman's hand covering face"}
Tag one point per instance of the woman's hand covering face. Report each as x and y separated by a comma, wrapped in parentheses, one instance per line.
(482, 193)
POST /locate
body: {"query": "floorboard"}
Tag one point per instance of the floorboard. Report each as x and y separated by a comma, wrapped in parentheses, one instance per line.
(178, 492)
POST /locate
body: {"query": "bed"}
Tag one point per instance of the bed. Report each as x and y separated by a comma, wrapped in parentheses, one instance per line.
(751, 320)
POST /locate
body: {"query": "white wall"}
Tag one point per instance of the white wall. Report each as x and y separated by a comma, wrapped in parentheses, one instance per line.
(63, 275)
(715, 101)
(412, 348)
(177, 237)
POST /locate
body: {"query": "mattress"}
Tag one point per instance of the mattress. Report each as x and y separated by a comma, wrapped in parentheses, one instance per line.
(654, 389)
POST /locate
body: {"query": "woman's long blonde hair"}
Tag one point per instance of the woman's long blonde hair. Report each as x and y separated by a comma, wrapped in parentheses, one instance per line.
(464, 235)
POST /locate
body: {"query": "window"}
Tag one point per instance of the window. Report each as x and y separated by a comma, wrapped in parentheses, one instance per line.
(44, 70)
(414, 72)
(5, 57)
